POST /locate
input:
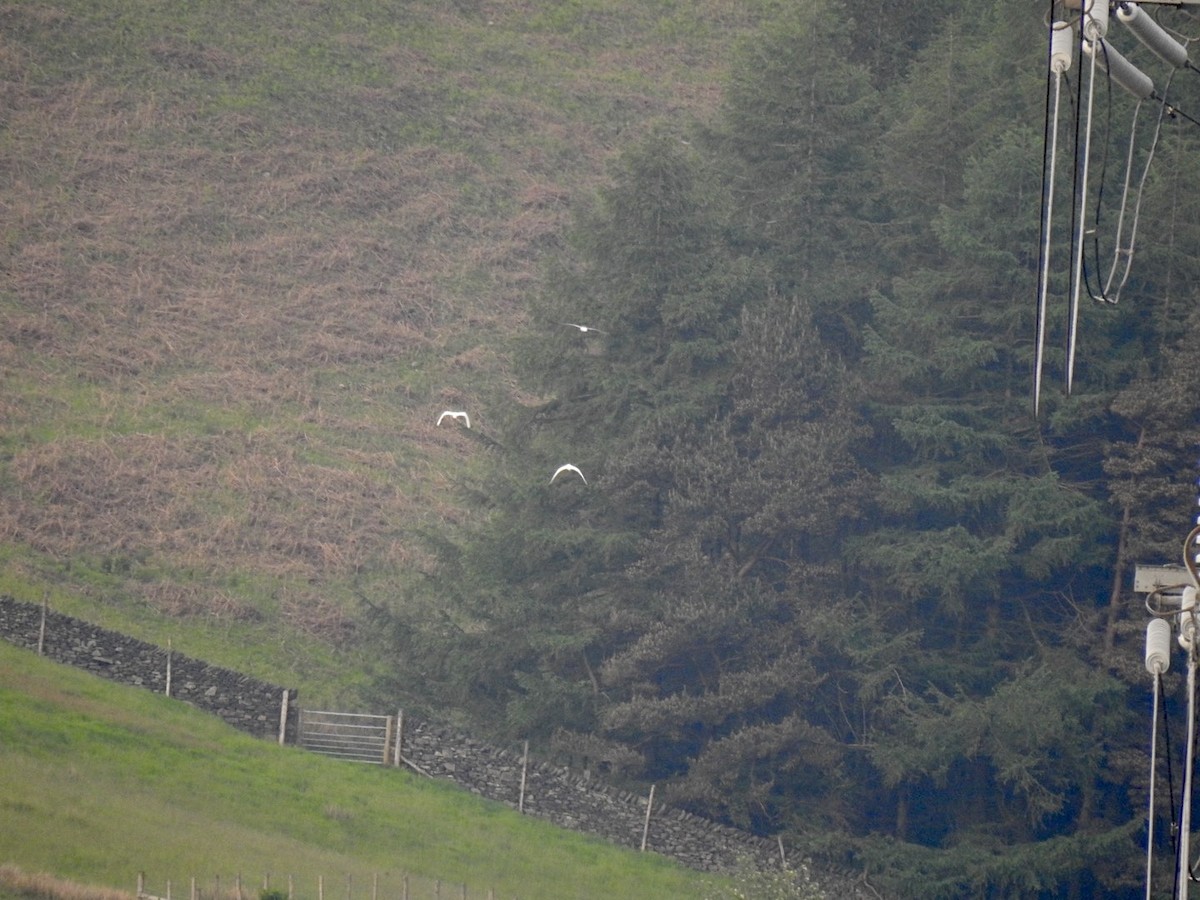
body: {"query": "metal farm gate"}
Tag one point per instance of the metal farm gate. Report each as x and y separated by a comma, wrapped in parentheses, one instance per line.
(358, 737)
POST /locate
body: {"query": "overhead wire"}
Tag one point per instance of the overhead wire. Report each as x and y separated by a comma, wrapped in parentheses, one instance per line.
(1079, 200)
(1096, 293)
(1054, 70)
(1170, 770)
(1109, 295)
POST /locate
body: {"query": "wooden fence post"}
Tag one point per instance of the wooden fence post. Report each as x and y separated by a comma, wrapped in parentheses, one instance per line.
(193, 893)
(291, 888)
(283, 717)
(168, 689)
(524, 769)
(646, 827)
(389, 735)
(42, 627)
(141, 884)
(320, 887)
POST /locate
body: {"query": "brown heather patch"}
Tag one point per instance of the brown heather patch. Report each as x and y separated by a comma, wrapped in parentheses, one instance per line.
(250, 502)
(194, 601)
(224, 325)
(317, 616)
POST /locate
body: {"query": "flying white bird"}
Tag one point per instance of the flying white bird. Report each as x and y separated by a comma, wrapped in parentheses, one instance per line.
(567, 467)
(455, 415)
(584, 329)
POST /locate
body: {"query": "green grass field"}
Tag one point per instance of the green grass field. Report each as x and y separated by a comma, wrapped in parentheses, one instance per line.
(99, 782)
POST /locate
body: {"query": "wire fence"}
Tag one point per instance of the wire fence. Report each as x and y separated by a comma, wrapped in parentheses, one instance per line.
(381, 886)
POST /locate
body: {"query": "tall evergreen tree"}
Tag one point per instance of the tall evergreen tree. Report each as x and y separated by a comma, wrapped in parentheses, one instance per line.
(718, 686)
(799, 130)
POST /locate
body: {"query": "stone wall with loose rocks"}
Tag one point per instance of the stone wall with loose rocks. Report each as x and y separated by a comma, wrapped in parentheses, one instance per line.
(580, 801)
(246, 703)
(569, 798)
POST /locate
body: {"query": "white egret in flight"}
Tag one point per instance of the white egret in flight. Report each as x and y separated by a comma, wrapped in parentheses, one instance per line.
(567, 467)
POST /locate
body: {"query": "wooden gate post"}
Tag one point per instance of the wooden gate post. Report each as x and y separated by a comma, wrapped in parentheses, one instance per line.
(389, 735)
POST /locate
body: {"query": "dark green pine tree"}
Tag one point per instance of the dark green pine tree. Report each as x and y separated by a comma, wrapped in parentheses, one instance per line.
(716, 690)
(655, 271)
(799, 126)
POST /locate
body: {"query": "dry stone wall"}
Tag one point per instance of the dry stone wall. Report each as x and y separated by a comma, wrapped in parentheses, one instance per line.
(246, 703)
(580, 801)
(566, 797)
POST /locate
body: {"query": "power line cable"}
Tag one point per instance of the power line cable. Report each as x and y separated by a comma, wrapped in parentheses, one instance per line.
(1128, 251)
(1058, 61)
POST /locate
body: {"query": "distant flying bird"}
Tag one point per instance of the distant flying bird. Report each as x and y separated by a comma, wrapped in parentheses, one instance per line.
(567, 468)
(584, 329)
(455, 415)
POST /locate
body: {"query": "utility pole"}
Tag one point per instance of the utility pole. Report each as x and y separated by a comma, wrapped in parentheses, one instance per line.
(1171, 597)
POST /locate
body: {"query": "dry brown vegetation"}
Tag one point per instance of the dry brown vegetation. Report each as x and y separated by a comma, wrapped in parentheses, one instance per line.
(14, 880)
(235, 293)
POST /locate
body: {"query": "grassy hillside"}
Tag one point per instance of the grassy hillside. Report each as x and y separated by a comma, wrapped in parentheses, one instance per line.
(99, 782)
(250, 250)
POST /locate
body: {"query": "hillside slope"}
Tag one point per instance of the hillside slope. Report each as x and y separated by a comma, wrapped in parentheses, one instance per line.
(193, 798)
(251, 251)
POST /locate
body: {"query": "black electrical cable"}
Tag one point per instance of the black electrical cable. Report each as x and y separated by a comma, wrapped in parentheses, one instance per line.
(1098, 293)
(1170, 788)
(1174, 111)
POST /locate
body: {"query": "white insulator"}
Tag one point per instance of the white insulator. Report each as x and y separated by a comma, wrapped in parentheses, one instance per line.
(1158, 646)
(1123, 72)
(1062, 47)
(1095, 19)
(1151, 34)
